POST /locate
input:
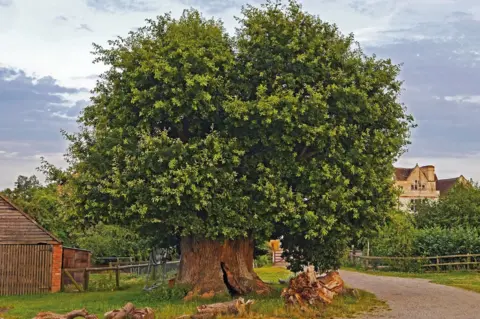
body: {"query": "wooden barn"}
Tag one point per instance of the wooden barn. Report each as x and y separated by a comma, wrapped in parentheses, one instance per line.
(30, 257)
(75, 258)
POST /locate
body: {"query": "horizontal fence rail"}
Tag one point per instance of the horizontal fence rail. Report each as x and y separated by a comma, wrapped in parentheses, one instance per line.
(140, 268)
(430, 263)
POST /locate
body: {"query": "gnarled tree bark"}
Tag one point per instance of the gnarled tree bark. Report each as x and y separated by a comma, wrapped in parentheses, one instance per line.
(217, 267)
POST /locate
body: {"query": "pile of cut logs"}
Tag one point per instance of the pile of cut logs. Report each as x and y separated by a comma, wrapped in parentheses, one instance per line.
(309, 288)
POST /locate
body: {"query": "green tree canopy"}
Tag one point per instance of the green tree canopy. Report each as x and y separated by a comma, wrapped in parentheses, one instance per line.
(286, 128)
(459, 208)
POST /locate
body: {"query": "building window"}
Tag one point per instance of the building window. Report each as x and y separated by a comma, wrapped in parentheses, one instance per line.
(415, 185)
(413, 205)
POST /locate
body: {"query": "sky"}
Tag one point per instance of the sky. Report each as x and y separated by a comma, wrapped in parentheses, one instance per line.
(46, 69)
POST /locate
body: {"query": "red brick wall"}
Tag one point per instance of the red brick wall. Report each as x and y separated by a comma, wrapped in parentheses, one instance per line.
(57, 268)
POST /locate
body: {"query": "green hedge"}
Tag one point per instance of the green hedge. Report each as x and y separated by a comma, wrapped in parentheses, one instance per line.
(438, 241)
(435, 241)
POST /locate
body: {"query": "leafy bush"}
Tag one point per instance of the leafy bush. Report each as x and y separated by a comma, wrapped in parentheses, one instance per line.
(263, 260)
(460, 208)
(395, 238)
(438, 241)
(111, 240)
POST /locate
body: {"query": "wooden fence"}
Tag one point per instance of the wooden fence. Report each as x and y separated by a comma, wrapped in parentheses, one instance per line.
(428, 263)
(138, 268)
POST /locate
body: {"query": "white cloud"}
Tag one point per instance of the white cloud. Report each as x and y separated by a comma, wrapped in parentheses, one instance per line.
(472, 99)
(12, 167)
(42, 37)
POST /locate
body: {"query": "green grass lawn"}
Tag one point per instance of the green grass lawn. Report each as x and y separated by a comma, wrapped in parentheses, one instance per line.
(167, 303)
(469, 280)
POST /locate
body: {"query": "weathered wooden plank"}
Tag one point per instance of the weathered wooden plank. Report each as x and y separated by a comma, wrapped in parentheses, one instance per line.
(26, 269)
(16, 226)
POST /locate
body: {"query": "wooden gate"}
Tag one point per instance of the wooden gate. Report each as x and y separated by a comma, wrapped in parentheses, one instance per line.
(25, 269)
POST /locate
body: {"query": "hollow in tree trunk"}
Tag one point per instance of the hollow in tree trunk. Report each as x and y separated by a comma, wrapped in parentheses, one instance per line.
(213, 266)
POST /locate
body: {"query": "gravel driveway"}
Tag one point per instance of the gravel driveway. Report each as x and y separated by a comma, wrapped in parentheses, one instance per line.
(416, 298)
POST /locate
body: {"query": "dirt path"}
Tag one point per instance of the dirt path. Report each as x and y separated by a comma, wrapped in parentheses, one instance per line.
(416, 298)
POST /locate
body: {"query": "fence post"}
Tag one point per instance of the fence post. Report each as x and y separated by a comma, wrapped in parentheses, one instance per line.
(69, 275)
(62, 280)
(154, 273)
(438, 264)
(86, 278)
(469, 260)
(117, 277)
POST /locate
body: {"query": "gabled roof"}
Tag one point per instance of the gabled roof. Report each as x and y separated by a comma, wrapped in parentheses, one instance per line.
(444, 185)
(401, 174)
(16, 227)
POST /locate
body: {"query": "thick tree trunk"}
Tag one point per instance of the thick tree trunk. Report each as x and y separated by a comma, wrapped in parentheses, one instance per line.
(212, 267)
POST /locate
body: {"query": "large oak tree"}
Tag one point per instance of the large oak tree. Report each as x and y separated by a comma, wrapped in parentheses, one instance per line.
(285, 129)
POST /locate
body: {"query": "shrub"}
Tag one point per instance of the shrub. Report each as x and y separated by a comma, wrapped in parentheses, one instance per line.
(438, 241)
(395, 238)
(263, 260)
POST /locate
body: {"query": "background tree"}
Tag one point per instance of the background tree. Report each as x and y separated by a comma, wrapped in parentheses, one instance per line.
(459, 208)
(42, 203)
(396, 237)
(285, 129)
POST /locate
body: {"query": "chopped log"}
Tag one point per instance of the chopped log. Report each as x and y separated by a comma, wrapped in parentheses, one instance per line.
(308, 289)
(71, 315)
(235, 307)
(333, 282)
(129, 311)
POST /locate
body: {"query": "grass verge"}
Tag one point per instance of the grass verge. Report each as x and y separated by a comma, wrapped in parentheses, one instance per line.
(168, 304)
(468, 280)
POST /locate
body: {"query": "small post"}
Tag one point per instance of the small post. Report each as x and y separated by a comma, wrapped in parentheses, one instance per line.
(368, 253)
(69, 275)
(62, 281)
(469, 260)
(117, 277)
(154, 273)
(438, 263)
(86, 278)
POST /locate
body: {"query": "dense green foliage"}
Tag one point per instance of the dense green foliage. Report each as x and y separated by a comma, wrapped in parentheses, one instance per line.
(285, 129)
(112, 240)
(438, 241)
(396, 237)
(435, 241)
(460, 208)
(45, 204)
(446, 233)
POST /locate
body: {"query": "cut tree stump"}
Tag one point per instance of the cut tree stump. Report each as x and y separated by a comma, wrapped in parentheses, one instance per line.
(71, 315)
(130, 312)
(309, 289)
(238, 307)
